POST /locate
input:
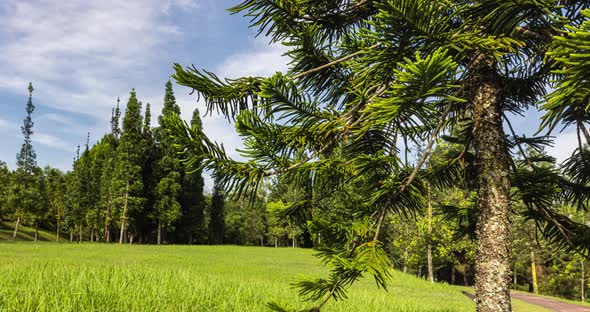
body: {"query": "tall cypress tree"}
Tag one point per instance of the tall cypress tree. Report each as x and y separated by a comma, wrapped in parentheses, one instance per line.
(128, 182)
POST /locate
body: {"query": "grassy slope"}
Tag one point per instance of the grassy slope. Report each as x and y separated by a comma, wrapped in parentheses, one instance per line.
(99, 277)
(25, 233)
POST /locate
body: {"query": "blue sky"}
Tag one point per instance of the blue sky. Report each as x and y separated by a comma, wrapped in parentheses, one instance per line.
(82, 55)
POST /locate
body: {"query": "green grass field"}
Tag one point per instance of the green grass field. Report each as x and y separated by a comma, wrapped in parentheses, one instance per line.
(100, 277)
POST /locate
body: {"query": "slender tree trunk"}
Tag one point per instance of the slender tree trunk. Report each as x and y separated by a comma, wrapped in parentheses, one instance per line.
(57, 230)
(80, 234)
(293, 241)
(514, 274)
(583, 282)
(36, 230)
(465, 278)
(92, 234)
(534, 273)
(276, 242)
(15, 228)
(429, 247)
(262, 241)
(492, 267)
(124, 212)
(453, 274)
(107, 234)
(159, 232)
(71, 235)
(406, 260)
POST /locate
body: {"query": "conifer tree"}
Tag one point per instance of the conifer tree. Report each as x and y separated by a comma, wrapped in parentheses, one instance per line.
(128, 182)
(364, 74)
(24, 193)
(167, 208)
(193, 199)
(217, 215)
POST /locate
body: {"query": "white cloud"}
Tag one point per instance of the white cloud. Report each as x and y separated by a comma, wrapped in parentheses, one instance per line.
(564, 146)
(262, 60)
(81, 54)
(52, 142)
(7, 124)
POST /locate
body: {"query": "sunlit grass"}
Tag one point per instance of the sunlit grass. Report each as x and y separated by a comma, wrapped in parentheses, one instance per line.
(99, 277)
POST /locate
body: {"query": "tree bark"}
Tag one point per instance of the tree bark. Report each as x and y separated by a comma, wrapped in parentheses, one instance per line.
(406, 260)
(57, 230)
(124, 212)
(15, 228)
(159, 232)
(453, 274)
(36, 230)
(71, 236)
(92, 234)
(80, 234)
(429, 247)
(492, 269)
(534, 273)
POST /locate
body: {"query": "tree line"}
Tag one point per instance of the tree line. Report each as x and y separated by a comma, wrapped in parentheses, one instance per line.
(132, 187)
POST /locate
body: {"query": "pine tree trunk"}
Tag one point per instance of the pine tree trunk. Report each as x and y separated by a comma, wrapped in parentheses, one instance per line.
(124, 212)
(492, 269)
(36, 230)
(534, 273)
(15, 228)
(429, 247)
(159, 232)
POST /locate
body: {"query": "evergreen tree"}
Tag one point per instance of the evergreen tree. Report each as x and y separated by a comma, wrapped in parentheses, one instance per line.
(150, 156)
(24, 196)
(192, 197)
(217, 215)
(5, 182)
(364, 74)
(26, 159)
(167, 208)
(128, 182)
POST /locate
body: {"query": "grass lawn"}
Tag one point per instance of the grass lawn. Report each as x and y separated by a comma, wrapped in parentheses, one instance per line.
(100, 277)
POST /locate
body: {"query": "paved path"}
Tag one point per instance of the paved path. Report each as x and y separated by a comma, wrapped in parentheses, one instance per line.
(546, 303)
(551, 304)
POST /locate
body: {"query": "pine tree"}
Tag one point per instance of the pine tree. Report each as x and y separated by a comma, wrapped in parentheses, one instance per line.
(128, 183)
(364, 74)
(24, 194)
(217, 215)
(167, 171)
(192, 197)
